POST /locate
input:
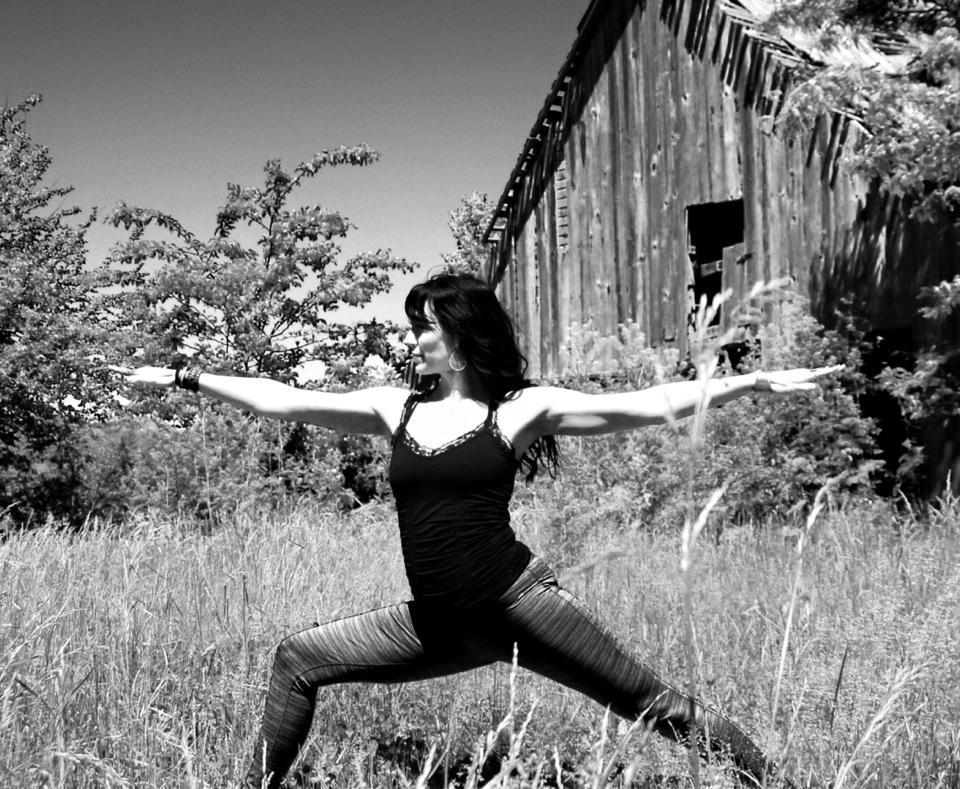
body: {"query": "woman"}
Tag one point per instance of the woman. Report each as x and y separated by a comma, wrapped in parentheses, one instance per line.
(477, 591)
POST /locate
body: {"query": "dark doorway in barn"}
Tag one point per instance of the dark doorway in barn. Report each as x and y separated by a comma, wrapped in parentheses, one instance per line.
(714, 243)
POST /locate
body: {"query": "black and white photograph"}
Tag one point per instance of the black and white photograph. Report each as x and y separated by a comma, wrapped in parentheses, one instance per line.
(440, 395)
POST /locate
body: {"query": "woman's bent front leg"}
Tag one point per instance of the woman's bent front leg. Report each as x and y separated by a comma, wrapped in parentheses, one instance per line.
(557, 637)
(389, 644)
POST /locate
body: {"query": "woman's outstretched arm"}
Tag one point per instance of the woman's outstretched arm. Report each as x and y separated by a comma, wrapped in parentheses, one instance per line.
(371, 410)
(565, 411)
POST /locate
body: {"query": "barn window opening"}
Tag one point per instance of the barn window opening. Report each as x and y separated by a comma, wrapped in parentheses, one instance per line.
(714, 235)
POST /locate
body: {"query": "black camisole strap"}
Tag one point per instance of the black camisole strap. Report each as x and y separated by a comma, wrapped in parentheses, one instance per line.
(493, 428)
(411, 401)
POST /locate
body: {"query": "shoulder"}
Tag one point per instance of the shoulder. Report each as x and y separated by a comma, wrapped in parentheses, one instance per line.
(533, 398)
(371, 396)
(389, 394)
(387, 402)
(532, 411)
(370, 410)
(388, 398)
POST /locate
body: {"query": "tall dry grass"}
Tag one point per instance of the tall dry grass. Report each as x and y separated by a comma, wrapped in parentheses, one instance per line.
(139, 656)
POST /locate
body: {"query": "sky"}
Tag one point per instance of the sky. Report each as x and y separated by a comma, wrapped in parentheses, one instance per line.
(161, 104)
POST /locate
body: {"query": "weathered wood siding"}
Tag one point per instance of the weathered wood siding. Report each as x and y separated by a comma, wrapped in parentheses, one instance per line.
(662, 105)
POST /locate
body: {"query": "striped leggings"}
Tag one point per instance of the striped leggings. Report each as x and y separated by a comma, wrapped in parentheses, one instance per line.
(555, 636)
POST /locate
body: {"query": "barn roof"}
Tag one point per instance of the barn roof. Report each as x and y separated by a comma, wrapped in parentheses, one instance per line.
(793, 48)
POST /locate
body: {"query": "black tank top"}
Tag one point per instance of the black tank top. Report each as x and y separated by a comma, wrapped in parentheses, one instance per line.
(452, 504)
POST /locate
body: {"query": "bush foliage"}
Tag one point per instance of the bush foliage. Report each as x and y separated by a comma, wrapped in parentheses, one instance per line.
(770, 451)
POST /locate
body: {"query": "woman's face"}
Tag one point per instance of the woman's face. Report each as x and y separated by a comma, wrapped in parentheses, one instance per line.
(431, 345)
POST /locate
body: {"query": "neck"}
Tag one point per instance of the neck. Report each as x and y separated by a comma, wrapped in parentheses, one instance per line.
(461, 386)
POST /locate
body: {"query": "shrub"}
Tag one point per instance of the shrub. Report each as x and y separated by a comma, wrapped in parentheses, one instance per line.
(771, 451)
(198, 458)
(209, 469)
(928, 393)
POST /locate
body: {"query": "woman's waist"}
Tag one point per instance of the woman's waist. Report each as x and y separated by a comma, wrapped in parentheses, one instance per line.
(450, 548)
(466, 578)
(457, 520)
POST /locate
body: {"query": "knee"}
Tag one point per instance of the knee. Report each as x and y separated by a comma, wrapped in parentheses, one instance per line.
(308, 658)
(290, 654)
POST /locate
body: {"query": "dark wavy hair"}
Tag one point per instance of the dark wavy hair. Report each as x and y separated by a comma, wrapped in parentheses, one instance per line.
(469, 311)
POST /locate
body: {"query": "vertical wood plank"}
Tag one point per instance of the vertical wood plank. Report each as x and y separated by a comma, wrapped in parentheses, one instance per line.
(627, 241)
(546, 240)
(752, 211)
(606, 208)
(575, 251)
(531, 305)
(673, 238)
(641, 156)
(654, 194)
(773, 219)
(620, 164)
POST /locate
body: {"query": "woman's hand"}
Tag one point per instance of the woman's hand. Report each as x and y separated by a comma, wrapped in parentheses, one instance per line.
(798, 380)
(156, 376)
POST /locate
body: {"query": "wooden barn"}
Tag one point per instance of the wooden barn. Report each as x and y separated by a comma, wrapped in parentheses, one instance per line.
(654, 173)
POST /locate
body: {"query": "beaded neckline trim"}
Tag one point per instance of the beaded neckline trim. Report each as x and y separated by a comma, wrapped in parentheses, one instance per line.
(419, 449)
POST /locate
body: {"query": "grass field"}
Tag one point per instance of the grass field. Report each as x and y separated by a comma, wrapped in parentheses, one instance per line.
(138, 656)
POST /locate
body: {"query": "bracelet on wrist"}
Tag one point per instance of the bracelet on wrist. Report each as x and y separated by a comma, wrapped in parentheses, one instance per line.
(187, 378)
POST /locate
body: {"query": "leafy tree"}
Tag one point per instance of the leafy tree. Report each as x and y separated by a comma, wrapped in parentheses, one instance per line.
(48, 330)
(912, 117)
(468, 222)
(259, 309)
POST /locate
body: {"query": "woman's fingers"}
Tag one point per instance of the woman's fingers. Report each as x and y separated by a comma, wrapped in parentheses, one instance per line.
(160, 376)
(820, 372)
(800, 379)
(834, 368)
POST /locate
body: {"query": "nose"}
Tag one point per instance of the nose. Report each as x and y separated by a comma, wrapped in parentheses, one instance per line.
(409, 339)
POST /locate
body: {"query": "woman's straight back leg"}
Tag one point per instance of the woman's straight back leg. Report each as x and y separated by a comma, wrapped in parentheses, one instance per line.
(559, 638)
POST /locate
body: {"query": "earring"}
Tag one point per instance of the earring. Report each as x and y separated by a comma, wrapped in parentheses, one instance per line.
(457, 364)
